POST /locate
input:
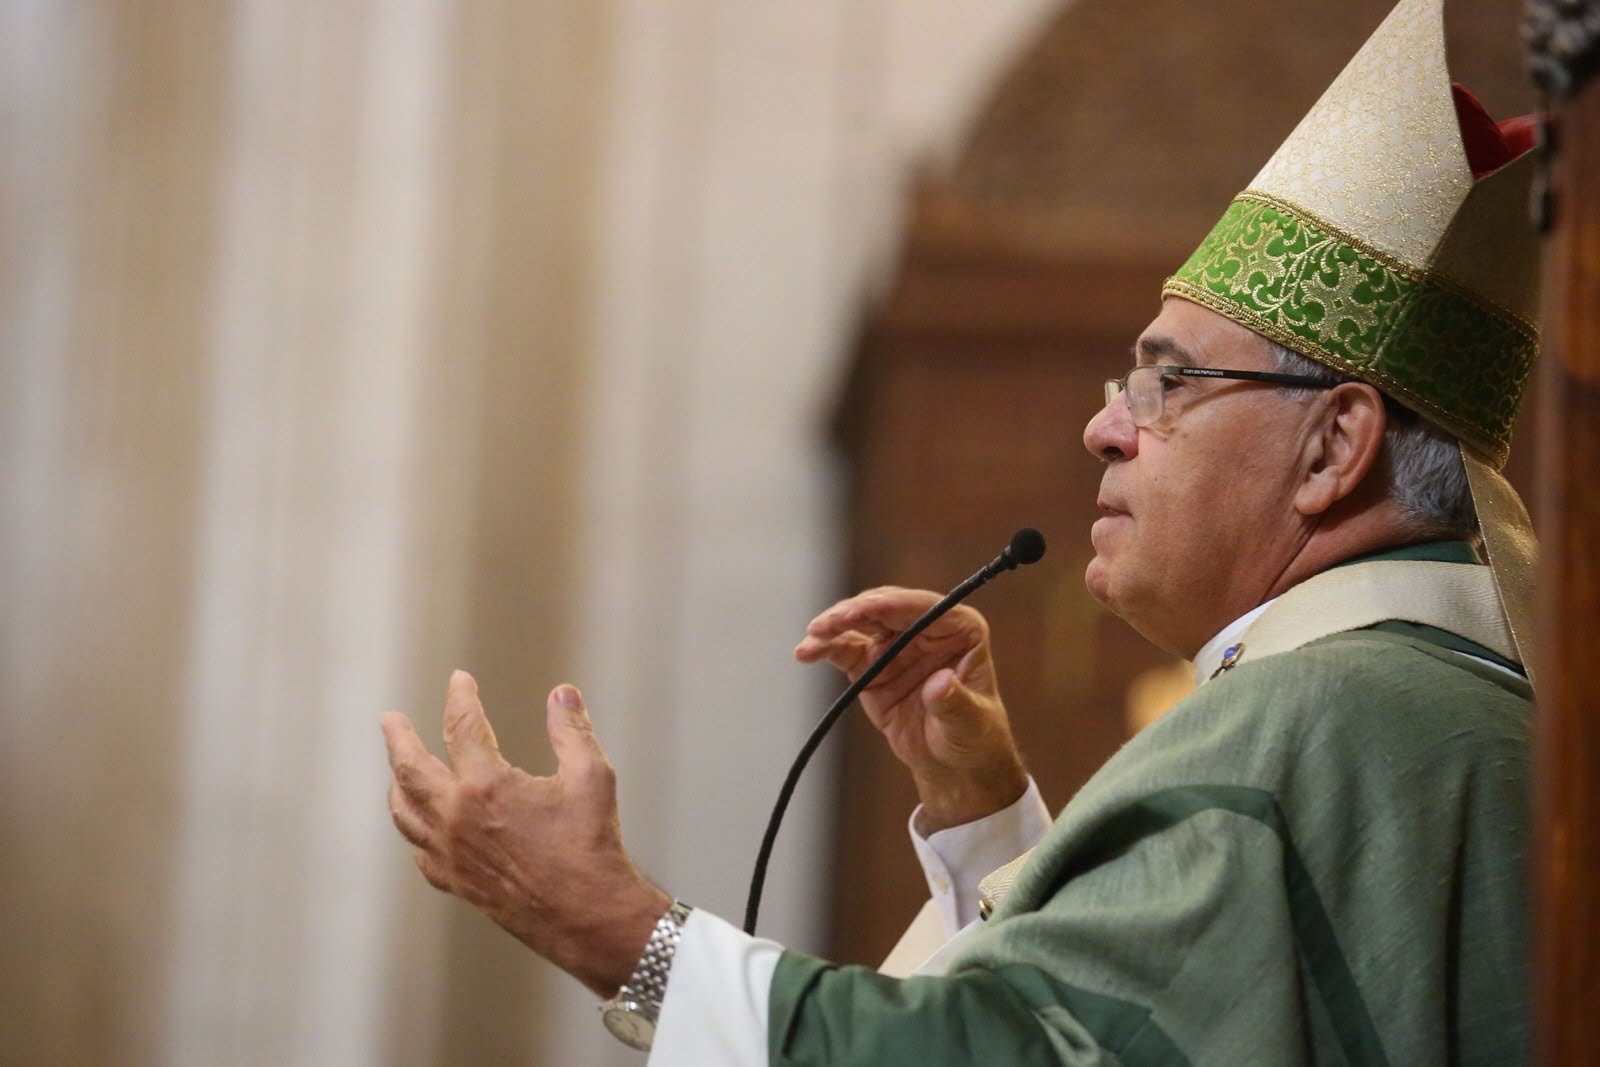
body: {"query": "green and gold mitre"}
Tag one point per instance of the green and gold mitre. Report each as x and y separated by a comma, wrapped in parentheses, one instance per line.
(1367, 244)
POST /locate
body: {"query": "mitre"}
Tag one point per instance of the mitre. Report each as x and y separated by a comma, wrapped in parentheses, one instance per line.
(1388, 238)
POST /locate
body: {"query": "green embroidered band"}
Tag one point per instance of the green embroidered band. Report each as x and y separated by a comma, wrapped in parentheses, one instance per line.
(1455, 358)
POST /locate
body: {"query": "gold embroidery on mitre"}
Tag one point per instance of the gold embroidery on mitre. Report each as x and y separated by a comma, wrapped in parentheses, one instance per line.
(1380, 153)
(1380, 256)
(1457, 358)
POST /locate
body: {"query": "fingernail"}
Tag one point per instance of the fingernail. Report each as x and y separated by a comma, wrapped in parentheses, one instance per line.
(569, 698)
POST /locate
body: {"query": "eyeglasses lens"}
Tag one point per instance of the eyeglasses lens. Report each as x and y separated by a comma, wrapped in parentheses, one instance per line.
(1144, 395)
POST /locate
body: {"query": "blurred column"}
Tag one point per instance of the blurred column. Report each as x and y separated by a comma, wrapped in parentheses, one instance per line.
(110, 130)
(310, 507)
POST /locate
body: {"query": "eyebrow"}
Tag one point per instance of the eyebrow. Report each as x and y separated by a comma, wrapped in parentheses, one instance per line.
(1164, 350)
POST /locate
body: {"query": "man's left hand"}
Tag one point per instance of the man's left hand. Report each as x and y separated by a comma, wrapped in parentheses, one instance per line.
(542, 857)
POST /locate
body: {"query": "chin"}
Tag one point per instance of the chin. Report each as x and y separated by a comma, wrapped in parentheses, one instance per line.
(1132, 606)
(1144, 610)
(1097, 579)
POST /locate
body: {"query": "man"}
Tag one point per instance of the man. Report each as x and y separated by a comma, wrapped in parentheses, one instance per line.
(1319, 856)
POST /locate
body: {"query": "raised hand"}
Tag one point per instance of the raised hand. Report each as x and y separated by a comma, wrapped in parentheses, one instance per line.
(542, 857)
(937, 705)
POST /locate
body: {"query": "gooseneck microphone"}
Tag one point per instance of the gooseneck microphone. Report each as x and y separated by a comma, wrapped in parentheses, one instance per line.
(1027, 546)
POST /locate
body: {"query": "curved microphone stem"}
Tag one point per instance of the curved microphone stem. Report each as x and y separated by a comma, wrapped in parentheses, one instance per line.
(1005, 561)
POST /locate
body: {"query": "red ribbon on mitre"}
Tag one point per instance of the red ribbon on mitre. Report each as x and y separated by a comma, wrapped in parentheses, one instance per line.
(1491, 145)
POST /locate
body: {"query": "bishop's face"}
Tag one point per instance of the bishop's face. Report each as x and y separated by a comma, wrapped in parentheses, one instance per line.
(1197, 515)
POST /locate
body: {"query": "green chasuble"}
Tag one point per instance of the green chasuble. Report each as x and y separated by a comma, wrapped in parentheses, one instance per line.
(1319, 857)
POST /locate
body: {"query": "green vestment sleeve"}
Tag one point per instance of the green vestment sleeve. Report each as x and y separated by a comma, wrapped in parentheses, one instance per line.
(1317, 858)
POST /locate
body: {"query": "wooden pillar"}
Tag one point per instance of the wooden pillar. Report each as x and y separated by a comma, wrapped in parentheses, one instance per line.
(1564, 50)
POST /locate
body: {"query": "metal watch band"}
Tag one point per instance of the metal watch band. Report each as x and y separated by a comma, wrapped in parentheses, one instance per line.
(648, 983)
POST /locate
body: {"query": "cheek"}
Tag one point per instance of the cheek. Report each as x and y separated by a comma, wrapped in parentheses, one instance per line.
(1226, 502)
(1172, 507)
(1192, 504)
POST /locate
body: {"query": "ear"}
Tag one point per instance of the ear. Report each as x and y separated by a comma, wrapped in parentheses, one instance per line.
(1345, 438)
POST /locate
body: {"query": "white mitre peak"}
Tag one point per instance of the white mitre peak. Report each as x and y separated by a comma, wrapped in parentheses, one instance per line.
(1380, 153)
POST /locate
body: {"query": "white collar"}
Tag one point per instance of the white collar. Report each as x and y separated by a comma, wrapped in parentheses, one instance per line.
(1209, 658)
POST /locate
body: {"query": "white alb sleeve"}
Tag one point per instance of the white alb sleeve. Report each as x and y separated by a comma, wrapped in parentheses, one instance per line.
(954, 860)
(715, 1010)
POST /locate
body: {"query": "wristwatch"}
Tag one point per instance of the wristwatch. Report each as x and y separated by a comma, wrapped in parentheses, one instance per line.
(631, 1014)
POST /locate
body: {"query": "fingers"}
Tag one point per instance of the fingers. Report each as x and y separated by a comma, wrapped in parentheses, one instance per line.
(884, 607)
(849, 651)
(411, 824)
(579, 757)
(852, 651)
(879, 613)
(432, 869)
(849, 633)
(418, 783)
(468, 737)
(416, 770)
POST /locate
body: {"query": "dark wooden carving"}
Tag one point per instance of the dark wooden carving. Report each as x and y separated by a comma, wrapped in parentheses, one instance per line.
(1564, 43)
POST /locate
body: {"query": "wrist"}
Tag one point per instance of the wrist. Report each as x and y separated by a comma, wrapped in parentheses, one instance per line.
(632, 1012)
(605, 950)
(957, 799)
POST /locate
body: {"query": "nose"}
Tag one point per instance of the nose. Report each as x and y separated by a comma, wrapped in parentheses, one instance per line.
(1111, 434)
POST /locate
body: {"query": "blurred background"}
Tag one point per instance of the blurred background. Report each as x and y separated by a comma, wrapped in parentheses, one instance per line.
(343, 343)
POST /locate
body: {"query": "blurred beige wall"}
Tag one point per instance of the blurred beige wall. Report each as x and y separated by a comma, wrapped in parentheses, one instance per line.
(343, 343)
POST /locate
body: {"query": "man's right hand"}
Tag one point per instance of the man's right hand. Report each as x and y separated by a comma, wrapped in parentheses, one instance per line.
(938, 704)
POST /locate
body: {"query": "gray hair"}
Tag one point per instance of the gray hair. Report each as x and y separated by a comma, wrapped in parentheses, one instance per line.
(1423, 463)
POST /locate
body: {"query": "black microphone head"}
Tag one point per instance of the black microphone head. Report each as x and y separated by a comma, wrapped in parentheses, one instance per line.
(1027, 545)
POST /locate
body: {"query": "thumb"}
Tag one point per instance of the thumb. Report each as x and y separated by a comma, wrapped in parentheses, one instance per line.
(578, 751)
(965, 720)
(947, 699)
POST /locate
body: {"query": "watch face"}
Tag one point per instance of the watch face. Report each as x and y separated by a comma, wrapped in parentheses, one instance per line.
(628, 1025)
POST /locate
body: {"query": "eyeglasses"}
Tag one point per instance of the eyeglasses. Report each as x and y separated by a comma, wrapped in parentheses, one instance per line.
(1145, 388)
